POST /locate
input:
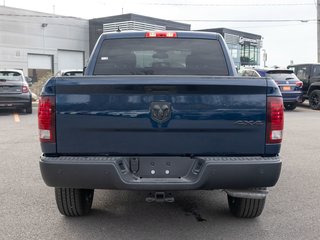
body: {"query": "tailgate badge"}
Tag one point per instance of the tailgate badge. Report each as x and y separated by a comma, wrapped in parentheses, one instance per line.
(249, 123)
(160, 111)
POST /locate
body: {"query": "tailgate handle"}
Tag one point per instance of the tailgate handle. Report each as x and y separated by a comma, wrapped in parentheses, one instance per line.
(159, 88)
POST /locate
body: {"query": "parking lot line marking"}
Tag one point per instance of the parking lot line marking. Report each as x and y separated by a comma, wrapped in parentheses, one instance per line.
(16, 117)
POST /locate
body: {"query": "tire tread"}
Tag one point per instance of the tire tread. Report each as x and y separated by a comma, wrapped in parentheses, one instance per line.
(314, 106)
(74, 202)
(246, 207)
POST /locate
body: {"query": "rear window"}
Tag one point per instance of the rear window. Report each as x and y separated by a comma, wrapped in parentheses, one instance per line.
(282, 76)
(10, 76)
(316, 70)
(74, 74)
(161, 56)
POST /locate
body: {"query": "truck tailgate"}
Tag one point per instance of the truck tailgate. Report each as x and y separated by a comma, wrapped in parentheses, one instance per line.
(160, 115)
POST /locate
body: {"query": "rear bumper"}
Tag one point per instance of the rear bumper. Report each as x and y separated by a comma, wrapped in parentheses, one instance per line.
(292, 97)
(184, 173)
(11, 101)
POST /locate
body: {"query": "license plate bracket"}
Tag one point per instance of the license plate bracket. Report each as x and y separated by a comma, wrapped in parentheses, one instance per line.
(161, 167)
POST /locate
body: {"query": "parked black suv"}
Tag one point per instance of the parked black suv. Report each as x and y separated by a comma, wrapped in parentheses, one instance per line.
(309, 74)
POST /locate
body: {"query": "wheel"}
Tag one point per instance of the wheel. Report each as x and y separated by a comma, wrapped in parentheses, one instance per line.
(29, 108)
(314, 100)
(73, 202)
(290, 106)
(246, 207)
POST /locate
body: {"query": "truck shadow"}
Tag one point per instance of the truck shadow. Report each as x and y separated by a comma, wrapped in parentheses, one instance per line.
(126, 215)
(187, 204)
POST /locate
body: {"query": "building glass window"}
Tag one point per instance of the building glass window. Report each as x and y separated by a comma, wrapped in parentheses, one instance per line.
(250, 54)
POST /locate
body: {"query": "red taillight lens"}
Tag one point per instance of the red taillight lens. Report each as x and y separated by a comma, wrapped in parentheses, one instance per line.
(161, 35)
(299, 84)
(47, 119)
(274, 119)
(25, 89)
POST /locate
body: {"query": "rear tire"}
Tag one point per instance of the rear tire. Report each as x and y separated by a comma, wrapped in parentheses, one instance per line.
(29, 109)
(290, 106)
(73, 202)
(246, 207)
(314, 100)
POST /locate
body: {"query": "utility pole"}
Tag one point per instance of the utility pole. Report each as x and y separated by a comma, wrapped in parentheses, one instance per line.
(318, 29)
(264, 57)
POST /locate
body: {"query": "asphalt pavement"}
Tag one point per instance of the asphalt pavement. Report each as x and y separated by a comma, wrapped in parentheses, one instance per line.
(28, 209)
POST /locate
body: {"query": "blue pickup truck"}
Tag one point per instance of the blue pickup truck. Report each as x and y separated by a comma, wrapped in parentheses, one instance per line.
(159, 112)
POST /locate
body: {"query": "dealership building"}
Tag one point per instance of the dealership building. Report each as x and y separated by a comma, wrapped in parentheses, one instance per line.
(244, 47)
(41, 44)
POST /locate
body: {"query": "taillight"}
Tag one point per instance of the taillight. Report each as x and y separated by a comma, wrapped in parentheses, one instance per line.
(299, 84)
(47, 119)
(161, 35)
(274, 119)
(25, 89)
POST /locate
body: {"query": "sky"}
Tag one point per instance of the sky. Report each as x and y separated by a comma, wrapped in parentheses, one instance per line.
(284, 41)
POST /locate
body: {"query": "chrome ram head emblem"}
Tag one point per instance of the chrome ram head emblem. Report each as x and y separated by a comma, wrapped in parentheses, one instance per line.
(160, 111)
